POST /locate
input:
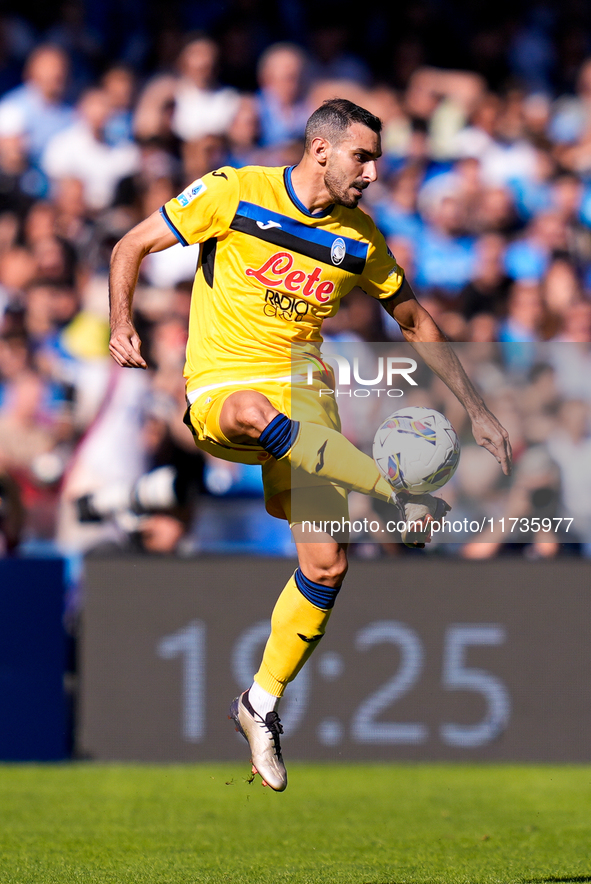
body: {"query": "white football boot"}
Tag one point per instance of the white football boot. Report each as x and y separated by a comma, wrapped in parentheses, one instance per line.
(262, 735)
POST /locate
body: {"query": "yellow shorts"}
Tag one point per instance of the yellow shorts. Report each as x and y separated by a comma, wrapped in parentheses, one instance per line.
(304, 403)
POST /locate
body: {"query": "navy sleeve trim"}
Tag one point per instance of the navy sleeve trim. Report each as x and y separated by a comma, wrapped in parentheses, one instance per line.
(178, 235)
(389, 299)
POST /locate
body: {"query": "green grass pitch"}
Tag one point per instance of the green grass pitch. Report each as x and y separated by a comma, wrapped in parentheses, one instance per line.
(355, 824)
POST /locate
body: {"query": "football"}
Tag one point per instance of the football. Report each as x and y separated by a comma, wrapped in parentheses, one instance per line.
(416, 449)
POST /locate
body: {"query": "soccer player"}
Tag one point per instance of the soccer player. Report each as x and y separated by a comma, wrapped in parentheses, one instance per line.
(279, 248)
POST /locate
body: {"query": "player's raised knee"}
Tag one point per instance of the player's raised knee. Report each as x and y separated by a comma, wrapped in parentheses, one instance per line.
(251, 418)
(328, 572)
(248, 413)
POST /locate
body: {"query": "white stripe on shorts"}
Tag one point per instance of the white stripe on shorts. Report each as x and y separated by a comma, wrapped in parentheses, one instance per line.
(194, 395)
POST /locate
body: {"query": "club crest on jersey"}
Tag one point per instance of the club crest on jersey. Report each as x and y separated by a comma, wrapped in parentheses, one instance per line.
(191, 192)
(277, 273)
(338, 250)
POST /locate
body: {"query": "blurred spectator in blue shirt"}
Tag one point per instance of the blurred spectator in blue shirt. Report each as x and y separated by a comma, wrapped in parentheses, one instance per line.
(119, 83)
(529, 257)
(397, 213)
(244, 134)
(533, 194)
(525, 314)
(38, 106)
(572, 113)
(445, 254)
(282, 106)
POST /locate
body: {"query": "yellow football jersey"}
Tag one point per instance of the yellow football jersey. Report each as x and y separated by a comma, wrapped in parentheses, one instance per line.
(269, 271)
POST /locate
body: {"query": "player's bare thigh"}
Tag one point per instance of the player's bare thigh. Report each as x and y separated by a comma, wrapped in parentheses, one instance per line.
(245, 414)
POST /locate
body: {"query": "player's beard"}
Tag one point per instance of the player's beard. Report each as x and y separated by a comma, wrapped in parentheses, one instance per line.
(339, 188)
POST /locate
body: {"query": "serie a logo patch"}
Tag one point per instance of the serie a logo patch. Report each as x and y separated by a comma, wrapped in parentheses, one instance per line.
(191, 192)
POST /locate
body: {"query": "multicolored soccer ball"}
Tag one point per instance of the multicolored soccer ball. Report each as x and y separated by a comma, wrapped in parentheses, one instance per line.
(416, 449)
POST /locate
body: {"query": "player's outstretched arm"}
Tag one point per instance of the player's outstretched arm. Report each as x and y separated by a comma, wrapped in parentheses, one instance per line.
(420, 330)
(152, 235)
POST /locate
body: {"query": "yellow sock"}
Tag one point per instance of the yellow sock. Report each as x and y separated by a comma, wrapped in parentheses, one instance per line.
(296, 628)
(328, 454)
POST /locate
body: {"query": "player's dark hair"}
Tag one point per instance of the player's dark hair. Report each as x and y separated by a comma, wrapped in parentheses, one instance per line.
(332, 119)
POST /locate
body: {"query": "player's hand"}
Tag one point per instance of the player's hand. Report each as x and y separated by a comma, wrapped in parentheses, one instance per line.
(489, 433)
(125, 346)
(422, 509)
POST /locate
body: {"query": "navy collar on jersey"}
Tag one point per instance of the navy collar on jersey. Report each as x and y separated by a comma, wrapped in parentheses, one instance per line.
(298, 203)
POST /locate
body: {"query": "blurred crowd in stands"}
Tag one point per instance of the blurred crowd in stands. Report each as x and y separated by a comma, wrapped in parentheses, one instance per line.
(108, 110)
